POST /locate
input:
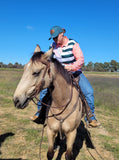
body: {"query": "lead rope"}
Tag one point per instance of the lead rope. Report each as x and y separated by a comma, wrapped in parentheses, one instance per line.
(41, 141)
(90, 154)
(93, 146)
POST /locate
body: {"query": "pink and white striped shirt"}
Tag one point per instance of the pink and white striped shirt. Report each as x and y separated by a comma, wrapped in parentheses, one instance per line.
(77, 53)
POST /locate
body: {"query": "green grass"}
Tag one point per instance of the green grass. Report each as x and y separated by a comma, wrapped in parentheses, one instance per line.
(31, 134)
(106, 92)
(110, 145)
(101, 73)
(10, 69)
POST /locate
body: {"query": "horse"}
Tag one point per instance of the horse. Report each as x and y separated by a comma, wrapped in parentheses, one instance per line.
(65, 112)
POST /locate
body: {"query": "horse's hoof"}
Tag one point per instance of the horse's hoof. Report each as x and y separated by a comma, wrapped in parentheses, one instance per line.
(50, 155)
(68, 156)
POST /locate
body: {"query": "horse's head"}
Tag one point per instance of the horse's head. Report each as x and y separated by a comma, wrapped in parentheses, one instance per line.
(35, 78)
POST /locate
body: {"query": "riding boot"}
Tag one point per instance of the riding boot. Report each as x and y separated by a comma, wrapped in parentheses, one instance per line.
(86, 106)
(40, 116)
(87, 111)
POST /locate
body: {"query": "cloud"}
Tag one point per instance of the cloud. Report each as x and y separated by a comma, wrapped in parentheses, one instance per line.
(29, 27)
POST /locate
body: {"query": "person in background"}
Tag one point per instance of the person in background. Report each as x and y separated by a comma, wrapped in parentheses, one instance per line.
(69, 54)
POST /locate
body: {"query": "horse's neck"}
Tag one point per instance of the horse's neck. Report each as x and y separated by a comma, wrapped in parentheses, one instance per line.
(62, 90)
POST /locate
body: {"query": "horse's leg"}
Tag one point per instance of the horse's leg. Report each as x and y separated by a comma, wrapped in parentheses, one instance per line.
(51, 137)
(70, 141)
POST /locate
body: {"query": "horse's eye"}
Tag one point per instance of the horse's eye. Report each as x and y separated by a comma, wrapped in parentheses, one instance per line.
(35, 74)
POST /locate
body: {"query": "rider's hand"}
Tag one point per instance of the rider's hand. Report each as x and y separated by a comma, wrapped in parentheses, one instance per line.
(68, 67)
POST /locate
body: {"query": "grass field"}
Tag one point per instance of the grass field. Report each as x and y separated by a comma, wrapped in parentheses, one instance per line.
(20, 138)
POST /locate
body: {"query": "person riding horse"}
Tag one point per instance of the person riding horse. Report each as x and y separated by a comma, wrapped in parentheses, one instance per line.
(69, 54)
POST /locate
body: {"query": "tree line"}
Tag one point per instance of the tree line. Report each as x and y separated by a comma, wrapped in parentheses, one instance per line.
(112, 66)
(10, 65)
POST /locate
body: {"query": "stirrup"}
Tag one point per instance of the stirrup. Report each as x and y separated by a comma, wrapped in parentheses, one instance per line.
(38, 119)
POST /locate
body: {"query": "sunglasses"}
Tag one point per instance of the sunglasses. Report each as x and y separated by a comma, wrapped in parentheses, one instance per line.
(55, 38)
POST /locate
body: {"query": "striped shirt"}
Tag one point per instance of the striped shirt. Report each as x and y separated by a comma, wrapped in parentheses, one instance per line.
(69, 54)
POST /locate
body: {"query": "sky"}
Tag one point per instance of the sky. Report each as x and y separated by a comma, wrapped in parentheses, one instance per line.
(94, 24)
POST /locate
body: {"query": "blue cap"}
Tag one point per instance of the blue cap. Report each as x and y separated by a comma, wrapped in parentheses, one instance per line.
(55, 31)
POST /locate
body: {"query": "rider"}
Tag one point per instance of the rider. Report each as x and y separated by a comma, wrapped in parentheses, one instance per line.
(68, 52)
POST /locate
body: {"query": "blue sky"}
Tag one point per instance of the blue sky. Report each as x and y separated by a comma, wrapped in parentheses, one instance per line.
(94, 24)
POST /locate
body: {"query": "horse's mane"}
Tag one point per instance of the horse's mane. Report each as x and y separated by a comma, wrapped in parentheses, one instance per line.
(58, 66)
(36, 56)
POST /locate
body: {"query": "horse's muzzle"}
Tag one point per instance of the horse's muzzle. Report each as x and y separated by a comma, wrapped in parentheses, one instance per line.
(20, 105)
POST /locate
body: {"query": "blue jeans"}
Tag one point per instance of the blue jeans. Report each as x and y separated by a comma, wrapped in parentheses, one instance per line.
(87, 91)
(42, 94)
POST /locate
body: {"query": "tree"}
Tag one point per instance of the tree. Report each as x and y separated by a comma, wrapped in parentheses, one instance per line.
(1, 65)
(99, 67)
(113, 65)
(84, 67)
(106, 66)
(10, 65)
(89, 66)
(15, 65)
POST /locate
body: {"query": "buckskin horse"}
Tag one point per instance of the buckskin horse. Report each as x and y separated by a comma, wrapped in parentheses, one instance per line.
(65, 112)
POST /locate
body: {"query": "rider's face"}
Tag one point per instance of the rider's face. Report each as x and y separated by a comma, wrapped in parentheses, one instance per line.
(59, 39)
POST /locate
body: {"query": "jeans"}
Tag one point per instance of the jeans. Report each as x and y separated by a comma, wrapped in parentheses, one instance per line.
(86, 89)
(42, 94)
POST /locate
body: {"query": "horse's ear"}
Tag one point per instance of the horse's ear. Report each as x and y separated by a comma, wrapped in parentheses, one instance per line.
(48, 53)
(37, 49)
